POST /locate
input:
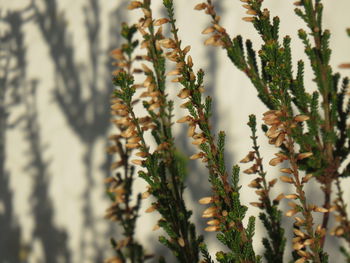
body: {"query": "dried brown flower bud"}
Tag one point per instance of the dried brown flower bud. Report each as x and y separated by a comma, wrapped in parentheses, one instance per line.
(304, 155)
(173, 72)
(132, 145)
(185, 119)
(116, 165)
(275, 161)
(279, 197)
(181, 241)
(300, 260)
(306, 178)
(167, 43)
(137, 162)
(251, 12)
(298, 246)
(117, 54)
(162, 146)
(156, 227)
(209, 212)
(301, 118)
(197, 156)
(184, 93)
(344, 66)
(291, 196)
(287, 179)
(299, 233)
(272, 182)
(161, 21)
(199, 141)
(212, 228)
(208, 30)
(254, 184)
(219, 28)
(134, 5)
(206, 200)
(211, 40)
(134, 139)
(200, 6)
(150, 209)
(291, 212)
(286, 170)
(145, 68)
(308, 242)
(339, 231)
(129, 132)
(189, 61)
(109, 180)
(191, 130)
(213, 222)
(248, 158)
(251, 170)
(147, 22)
(299, 220)
(248, 19)
(280, 139)
(145, 194)
(186, 49)
(320, 209)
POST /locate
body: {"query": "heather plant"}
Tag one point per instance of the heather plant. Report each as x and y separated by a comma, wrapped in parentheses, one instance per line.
(307, 128)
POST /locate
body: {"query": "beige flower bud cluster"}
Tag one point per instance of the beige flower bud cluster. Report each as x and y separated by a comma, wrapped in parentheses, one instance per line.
(178, 55)
(211, 212)
(302, 240)
(260, 184)
(120, 245)
(219, 37)
(250, 11)
(278, 135)
(341, 216)
(277, 131)
(116, 188)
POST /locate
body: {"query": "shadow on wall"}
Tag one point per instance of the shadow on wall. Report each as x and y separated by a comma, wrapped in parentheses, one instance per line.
(14, 82)
(87, 117)
(10, 79)
(53, 240)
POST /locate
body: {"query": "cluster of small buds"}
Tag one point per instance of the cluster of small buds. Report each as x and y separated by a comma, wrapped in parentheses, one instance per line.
(341, 216)
(278, 130)
(116, 187)
(250, 11)
(211, 212)
(178, 56)
(121, 60)
(219, 35)
(129, 132)
(301, 240)
(262, 187)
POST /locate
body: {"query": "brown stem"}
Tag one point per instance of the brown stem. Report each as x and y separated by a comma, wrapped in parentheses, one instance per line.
(299, 188)
(327, 205)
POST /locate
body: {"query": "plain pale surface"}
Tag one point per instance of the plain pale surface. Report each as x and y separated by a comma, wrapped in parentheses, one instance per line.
(63, 148)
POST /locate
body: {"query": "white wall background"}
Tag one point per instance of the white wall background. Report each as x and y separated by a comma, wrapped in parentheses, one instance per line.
(55, 74)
